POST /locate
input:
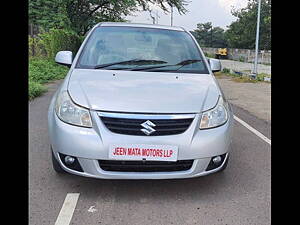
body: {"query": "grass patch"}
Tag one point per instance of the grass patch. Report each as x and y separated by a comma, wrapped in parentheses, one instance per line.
(246, 71)
(218, 74)
(35, 89)
(45, 70)
(241, 79)
(209, 55)
(242, 59)
(261, 76)
(226, 70)
(41, 71)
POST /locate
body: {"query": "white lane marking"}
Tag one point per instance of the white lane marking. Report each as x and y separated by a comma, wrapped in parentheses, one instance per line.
(252, 130)
(67, 210)
(92, 209)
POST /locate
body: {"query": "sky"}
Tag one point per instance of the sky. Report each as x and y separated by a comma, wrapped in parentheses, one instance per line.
(199, 11)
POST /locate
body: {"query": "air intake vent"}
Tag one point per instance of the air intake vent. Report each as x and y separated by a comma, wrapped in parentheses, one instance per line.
(157, 126)
(145, 166)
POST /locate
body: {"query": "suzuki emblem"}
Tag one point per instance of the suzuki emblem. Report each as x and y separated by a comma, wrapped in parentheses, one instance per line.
(148, 127)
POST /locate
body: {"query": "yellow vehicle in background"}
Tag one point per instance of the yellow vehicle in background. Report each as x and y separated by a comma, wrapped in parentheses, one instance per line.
(221, 53)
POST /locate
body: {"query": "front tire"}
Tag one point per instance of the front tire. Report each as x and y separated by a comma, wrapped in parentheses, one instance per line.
(55, 164)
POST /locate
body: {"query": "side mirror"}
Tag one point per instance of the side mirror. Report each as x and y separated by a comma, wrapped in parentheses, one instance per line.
(215, 65)
(64, 58)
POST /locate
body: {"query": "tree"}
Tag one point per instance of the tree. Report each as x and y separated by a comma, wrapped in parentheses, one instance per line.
(209, 36)
(203, 34)
(242, 33)
(48, 14)
(218, 38)
(81, 15)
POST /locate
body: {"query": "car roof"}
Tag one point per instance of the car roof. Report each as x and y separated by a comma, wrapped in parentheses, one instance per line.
(123, 24)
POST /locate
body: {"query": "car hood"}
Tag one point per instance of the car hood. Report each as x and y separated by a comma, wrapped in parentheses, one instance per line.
(143, 92)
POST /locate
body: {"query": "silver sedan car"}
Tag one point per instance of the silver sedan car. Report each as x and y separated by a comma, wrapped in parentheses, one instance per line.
(140, 101)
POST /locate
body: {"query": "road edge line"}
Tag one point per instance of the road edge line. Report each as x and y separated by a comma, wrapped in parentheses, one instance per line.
(257, 133)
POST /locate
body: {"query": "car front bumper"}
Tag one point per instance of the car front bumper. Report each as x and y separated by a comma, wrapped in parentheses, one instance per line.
(89, 145)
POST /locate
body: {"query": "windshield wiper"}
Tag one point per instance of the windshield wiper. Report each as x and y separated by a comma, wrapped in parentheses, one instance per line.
(132, 61)
(181, 64)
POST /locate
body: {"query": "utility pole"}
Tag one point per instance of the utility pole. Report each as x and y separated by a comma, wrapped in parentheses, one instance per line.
(254, 73)
(211, 29)
(152, 17)
(171, 15)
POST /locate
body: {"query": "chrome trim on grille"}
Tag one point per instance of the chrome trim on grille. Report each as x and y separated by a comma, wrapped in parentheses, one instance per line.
(146, 116)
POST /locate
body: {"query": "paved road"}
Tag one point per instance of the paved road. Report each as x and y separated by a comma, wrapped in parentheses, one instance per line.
(254, 97)
(240, 195)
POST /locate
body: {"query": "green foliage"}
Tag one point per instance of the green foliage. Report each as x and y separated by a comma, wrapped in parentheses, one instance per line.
(59, 40)
(81, 15)
(31, 46)
(218, 38)
(164, 4)
(209, 55)
(242, 59)
(226, 70)
(48, 14)
(209, 36)
(41, 71)
(244, 79)
(242, 33)
(36, 47)
(84, 14)
(47, 44)
(44, 70)
(261, 76)
(35, 89)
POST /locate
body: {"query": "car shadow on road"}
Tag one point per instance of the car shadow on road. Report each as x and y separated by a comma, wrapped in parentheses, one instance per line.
(238, 179)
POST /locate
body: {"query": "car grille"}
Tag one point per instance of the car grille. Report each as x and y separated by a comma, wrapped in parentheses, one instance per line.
(133, 126)
(145, 166)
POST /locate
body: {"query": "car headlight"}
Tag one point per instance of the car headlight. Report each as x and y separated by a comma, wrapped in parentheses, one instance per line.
(215, 117)
(68, 112)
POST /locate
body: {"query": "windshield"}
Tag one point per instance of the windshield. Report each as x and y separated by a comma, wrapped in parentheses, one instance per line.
(147, 49)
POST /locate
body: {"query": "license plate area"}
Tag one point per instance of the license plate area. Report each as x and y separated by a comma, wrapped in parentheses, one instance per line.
(143, 152)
